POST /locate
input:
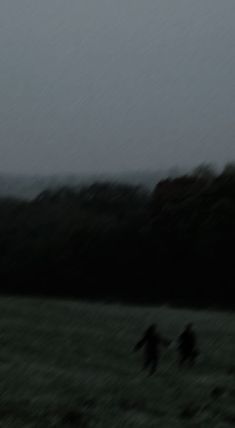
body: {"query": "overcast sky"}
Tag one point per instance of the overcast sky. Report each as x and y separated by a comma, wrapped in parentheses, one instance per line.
(116, 85)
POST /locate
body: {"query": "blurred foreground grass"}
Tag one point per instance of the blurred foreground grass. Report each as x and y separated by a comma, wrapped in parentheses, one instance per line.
(70, 364)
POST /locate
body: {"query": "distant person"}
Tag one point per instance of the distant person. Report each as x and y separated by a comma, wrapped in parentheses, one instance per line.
(151, 342)
(187, 345)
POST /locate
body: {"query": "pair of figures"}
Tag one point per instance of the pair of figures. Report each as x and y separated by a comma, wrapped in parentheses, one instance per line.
(152, 341)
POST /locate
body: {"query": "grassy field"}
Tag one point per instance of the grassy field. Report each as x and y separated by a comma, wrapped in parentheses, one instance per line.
(70, 364)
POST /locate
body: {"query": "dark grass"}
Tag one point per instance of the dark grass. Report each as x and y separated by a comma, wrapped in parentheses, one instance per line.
(70, 364)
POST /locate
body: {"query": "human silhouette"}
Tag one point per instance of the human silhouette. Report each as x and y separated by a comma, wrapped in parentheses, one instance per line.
(151, 342)
(187, 345)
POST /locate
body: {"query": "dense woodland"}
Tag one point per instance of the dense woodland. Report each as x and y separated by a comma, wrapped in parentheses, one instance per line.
(120, 242)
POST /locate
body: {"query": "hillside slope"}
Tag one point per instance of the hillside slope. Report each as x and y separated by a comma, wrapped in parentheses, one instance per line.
(70, 364)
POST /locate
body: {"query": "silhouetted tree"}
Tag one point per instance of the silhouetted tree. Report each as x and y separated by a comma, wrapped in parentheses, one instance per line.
(110, 240)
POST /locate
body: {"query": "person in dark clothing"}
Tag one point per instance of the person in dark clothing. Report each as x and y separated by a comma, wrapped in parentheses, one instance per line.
(151, 341)
(187, 345)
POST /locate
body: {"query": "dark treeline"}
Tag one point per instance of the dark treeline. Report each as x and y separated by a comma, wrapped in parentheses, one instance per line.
(115, 241)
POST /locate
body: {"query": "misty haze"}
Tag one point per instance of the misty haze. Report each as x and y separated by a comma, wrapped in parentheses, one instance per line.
(104, 85)
(117, 213)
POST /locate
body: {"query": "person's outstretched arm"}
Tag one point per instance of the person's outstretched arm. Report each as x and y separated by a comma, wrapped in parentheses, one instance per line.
(140, 344)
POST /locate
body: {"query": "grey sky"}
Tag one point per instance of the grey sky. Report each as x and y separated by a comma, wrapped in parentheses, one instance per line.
(115, 85)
